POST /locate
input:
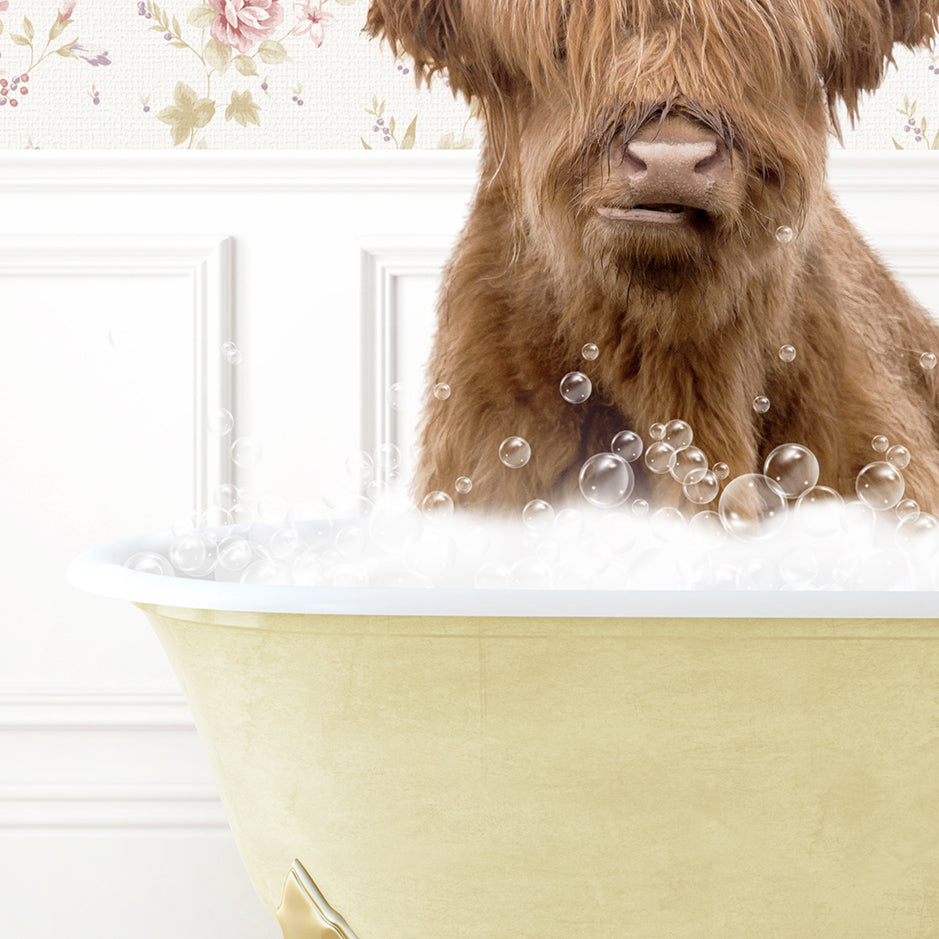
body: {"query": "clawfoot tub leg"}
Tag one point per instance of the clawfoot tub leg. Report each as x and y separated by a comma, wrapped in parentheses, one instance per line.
(304, 913)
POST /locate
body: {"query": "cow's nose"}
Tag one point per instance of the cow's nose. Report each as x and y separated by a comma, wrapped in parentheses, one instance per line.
(676, 157)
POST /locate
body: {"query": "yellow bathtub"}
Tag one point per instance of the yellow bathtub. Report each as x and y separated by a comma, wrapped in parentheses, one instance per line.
(544, 765)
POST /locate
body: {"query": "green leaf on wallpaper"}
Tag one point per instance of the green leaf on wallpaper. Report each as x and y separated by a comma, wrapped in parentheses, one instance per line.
(176, 29)
(28, 28)
(1, 27)
(273, 53)
(935, 144)
(217, 55)
(922, 126)
(189, 112)
(243, 109)
(364, 144)
(894, 139)
(58, 27)
(66, 50)
(391, 125)
(201, 17)
(245, 64)
(410, 135)
(179, 44)
(19, 40)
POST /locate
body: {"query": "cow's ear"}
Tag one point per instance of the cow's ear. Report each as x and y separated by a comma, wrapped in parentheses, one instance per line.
(867, 31)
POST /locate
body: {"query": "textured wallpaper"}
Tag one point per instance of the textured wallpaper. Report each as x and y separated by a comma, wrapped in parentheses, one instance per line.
(277, 74)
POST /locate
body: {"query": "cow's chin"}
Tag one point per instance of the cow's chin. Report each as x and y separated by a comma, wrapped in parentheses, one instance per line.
(658, 248)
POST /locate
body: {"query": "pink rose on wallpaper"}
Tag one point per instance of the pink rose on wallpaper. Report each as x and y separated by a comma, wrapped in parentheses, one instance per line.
(312, 20)
(243, 23)
(67, 9)
(4, 5)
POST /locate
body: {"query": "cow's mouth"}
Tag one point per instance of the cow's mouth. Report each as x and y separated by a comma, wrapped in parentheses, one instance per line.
(667, 213)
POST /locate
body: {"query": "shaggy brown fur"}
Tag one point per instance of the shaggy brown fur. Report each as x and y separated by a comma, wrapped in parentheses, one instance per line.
(688, 316)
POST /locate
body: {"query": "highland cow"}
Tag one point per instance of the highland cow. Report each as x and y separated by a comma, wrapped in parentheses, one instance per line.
(653, 181)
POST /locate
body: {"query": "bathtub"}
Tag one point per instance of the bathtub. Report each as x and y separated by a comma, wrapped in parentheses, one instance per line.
(433, 764)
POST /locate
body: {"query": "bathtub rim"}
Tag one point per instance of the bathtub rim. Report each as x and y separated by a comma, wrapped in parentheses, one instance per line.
(100, 570)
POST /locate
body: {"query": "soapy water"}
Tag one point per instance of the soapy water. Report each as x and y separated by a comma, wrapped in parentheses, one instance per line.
(775, 529)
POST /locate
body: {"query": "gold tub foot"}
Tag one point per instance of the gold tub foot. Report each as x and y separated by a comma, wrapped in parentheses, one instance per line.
(304, 913)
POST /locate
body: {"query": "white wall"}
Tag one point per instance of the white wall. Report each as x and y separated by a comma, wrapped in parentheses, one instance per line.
(121, 274)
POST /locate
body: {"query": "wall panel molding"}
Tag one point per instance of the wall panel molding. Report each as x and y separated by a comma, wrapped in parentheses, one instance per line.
(206, 261)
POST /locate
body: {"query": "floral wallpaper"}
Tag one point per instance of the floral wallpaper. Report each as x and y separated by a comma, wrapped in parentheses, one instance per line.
(278, 74)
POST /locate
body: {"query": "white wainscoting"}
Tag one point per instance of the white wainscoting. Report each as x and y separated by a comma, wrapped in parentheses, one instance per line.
(121, 274)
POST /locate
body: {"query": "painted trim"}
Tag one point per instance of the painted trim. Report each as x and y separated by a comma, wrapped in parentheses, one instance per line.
(206, 260)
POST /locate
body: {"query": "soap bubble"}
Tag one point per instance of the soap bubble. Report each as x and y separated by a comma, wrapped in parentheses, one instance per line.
(350, 541)
(880, 443)
(360, 467)
(436, 505)
(231, 353)
(590, 351)
(514, 452)
(226, 496)
(150, 562)
(575, 387)
(707, 525)
(721, 470)
(880, 485)
(927, 360)
(397, 395)
(660, 457)
(907, 509)
(606, 480)
(463, 485)
(915, 528)
(668, 523)
(787, 352)
(387, 460)
(538, 515)
(191, 554)
(628, 445)
(687, 460)
(678, 435)
(349, 576)
(799, 566)
(858, 518)
(266, 572)
(752, 507)
(246, 451)
(640, 507)
(899, 456)
(793, 468)
(819, 510)
(493, 576)
(701, 486)
(784, 234)
(377, 490)
(761, 404)
(220, 422)
(309, 569)
(235, 554)
(441, 391)
(394, 527)
(657, 431)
